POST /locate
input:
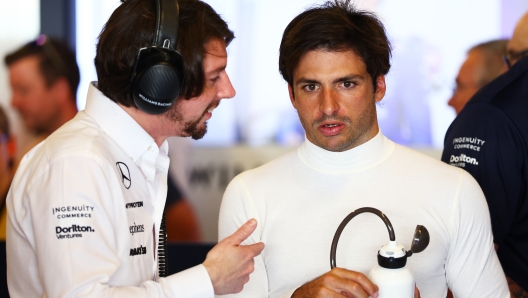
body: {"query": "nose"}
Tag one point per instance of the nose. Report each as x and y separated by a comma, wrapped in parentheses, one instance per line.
(329, 104)
(456, 103)
(451, 101)
(226, 89)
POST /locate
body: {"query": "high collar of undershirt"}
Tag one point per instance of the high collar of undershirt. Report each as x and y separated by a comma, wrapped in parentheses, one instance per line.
(360, 158)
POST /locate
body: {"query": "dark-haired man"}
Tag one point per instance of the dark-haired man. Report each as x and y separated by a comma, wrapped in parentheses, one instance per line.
(44, 76)
(489, 139)
(334, 59)
(86, 205)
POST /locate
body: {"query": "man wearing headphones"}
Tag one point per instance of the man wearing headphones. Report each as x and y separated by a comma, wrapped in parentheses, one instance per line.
(85, 208)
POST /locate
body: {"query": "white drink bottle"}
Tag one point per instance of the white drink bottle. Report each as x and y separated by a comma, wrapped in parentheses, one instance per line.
(393, 279)
(390, 275)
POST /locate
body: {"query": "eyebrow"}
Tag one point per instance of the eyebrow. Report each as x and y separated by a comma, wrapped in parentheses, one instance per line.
(217, 70)
(338, 80)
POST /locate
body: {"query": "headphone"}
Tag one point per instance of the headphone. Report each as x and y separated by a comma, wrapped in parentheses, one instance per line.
(158, 74)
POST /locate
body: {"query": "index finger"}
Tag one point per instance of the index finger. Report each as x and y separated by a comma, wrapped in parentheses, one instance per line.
(242, 233)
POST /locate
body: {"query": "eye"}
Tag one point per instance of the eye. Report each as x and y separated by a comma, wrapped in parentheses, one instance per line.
(310, 87)
(348, 84)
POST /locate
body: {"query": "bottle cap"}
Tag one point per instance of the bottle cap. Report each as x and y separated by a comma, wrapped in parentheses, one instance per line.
(392, 256)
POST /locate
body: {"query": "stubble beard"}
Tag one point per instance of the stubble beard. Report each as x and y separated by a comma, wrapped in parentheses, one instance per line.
(191, 128)
(358, 131)
(196, 132)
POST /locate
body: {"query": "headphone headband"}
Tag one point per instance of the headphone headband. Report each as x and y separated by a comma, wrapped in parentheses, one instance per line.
(158, 75)
(167, 24)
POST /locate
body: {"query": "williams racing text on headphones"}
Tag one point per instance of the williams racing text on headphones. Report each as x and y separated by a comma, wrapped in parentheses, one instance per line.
(158, 79)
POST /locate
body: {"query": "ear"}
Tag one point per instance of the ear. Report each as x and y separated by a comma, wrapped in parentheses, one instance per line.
(292, 96)
(380, 88)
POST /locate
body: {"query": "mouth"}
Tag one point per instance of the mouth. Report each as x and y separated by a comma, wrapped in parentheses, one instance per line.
(209, 111)
(330, 129)
(213, 106)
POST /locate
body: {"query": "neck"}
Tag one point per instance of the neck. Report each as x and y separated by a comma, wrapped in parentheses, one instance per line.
(358, 159)
(152, 124)
(67, 112)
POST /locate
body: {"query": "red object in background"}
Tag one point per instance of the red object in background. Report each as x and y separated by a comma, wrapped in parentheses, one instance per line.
(11, 147)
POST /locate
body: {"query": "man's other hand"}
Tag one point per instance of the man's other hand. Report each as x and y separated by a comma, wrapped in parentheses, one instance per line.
(336, 283)
(229, 263)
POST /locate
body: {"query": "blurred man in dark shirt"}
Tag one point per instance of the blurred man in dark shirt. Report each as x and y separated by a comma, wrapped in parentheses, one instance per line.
(489, 139)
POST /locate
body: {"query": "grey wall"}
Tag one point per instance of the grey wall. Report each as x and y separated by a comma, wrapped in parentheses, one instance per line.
(57, 19)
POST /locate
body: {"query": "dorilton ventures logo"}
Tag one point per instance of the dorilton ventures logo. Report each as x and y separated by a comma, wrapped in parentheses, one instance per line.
(125, 174)
(75, 231)
(463, 158)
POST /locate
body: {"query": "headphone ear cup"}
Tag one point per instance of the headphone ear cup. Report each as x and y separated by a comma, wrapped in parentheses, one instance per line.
(158, 81)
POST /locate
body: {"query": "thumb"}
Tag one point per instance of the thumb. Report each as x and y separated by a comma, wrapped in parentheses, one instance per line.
(242, 233)
(255, 248)
(417, 292)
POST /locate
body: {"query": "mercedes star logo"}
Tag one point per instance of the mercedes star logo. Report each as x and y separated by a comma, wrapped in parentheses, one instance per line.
(125, 174)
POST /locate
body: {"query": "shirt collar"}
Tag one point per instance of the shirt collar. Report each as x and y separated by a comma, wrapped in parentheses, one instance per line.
(358, 159)
(119, 125)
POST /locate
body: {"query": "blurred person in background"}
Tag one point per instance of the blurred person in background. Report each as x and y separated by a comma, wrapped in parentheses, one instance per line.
(44, 76)
(7, 151)
(483, 64)
(489, 139)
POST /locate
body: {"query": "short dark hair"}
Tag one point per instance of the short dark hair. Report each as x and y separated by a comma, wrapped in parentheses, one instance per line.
(335, 26)
(56, 60)
(131, 27)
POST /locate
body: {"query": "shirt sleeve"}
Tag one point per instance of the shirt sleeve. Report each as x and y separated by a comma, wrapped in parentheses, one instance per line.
(238, 207)
(484, 142)
(66, 268)
(472, 266)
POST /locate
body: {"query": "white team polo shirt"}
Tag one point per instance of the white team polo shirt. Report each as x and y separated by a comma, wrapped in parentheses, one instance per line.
(84, 212)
